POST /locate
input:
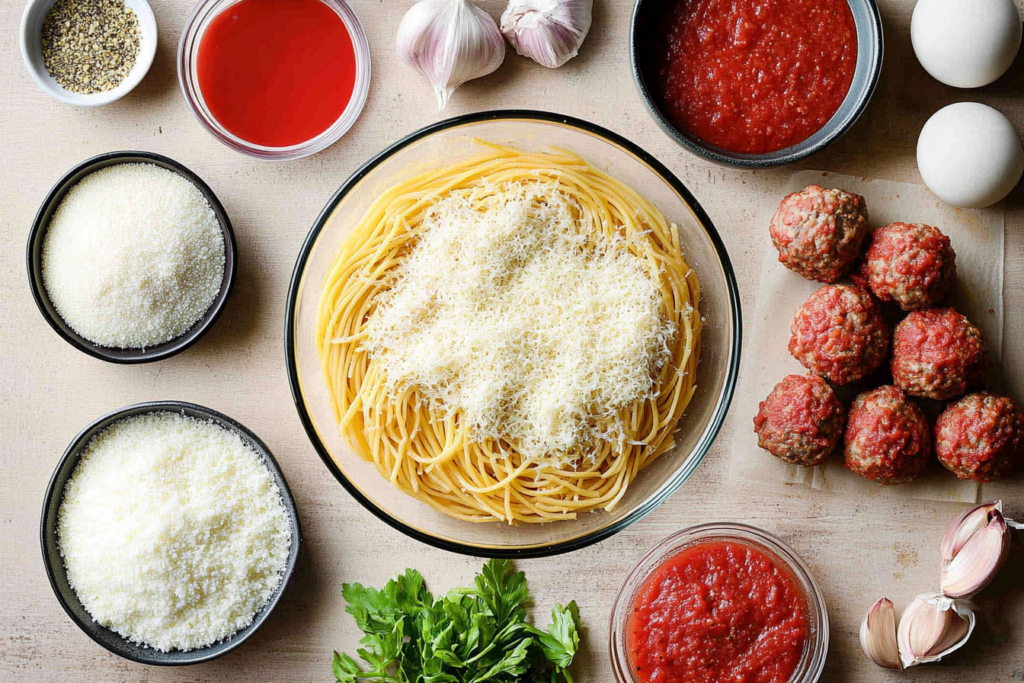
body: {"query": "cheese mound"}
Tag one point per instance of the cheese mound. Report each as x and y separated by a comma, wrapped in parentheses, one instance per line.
(133, 257)
(173, 531)
(536, 329)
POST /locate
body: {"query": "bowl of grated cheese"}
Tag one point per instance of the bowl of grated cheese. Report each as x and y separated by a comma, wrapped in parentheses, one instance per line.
(489, 441)
(169, 533)
(131, 257)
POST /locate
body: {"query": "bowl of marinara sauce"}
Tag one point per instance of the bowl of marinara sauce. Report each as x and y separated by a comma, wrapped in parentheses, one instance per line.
(719, 602)
(756, 83)
(274, 79)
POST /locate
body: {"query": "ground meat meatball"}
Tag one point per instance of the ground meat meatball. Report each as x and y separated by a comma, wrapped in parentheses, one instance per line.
(909, 264)
(887, 438)
(801, 421)
(819, 232)
(839, 334)
(937, 354)
(981, 437)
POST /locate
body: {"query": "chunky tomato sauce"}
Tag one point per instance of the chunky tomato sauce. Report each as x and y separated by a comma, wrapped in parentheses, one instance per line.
(754, 76)
(716, 612)
(276, 72)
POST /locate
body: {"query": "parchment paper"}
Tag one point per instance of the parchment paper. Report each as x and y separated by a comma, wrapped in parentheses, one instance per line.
(977, 238)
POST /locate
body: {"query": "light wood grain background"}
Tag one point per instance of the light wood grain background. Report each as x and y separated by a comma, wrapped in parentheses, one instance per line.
(859, 549)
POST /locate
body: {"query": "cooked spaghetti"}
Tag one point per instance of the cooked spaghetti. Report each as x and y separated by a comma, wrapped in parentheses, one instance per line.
(510, 338)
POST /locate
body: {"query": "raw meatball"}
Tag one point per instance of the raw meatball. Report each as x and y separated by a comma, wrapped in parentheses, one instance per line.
(801, 421)
(887, 437)
(937, 354)
(839, 334)
(981, 437)
(819, 232)
(909, 264)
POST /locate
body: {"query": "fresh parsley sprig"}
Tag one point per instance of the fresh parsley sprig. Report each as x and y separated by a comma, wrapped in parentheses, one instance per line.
(471, 635)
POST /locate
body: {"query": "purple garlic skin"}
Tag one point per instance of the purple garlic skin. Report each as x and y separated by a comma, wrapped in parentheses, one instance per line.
(550, 32)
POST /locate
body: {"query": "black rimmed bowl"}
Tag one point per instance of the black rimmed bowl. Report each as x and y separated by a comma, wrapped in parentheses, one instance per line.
(451, 141)
(34, 258)
(868, 25)
(54, 563)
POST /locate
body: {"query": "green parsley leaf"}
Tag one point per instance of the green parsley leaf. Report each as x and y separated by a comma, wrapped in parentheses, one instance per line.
(471, 635)
(562, 640)
(512, 664)
(345, 668)
(504, 590)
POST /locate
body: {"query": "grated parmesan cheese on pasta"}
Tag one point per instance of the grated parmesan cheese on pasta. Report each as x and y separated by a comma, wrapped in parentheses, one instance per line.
(514, 316)
(172, 531)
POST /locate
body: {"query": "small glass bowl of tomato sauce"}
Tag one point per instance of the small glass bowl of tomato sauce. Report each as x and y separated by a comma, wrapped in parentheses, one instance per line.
(274, 79)
(719, 602)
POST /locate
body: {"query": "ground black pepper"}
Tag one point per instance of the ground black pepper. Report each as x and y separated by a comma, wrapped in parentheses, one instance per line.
(90, 46)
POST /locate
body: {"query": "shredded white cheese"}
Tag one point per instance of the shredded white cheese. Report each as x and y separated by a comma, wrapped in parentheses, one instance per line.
(173, 532)
(133, 256)
(537, 330)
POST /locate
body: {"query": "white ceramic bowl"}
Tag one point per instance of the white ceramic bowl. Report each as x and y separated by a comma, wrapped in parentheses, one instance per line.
(32, 52)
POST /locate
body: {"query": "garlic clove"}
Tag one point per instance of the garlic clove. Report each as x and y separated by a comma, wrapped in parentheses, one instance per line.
(449, 42)
(550, 32)
(974, 549)
(960, 530)
(878, 635)
(977, 562)
(931, 627)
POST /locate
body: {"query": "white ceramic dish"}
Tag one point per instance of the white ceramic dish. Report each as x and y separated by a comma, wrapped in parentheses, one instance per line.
(32, 52)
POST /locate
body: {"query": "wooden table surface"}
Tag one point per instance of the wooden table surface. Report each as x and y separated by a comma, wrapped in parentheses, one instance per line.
(859, 549)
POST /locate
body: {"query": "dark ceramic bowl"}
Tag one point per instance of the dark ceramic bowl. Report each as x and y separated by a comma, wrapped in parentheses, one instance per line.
(57, 573)
(35, 257)
(868, 23)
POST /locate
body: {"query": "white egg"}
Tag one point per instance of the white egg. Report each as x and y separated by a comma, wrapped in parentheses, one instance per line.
(969, 155)
(966, 43)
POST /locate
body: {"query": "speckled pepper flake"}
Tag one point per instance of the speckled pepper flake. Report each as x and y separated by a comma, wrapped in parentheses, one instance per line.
(90, 46)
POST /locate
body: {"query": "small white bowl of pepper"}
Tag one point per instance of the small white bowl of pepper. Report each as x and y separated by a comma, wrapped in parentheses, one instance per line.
(88, 52)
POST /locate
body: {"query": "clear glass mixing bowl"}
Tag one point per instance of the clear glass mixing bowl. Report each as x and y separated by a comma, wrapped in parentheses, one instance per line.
(450, 141)
(188, 80)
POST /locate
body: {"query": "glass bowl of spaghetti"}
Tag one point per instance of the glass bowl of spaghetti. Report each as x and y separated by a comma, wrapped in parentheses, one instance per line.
(512, 334)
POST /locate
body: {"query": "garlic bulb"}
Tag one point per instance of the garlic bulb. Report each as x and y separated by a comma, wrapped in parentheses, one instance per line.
(878, 635)
(450, 42)
(931, 627)
(549, 32)
(974, 549)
